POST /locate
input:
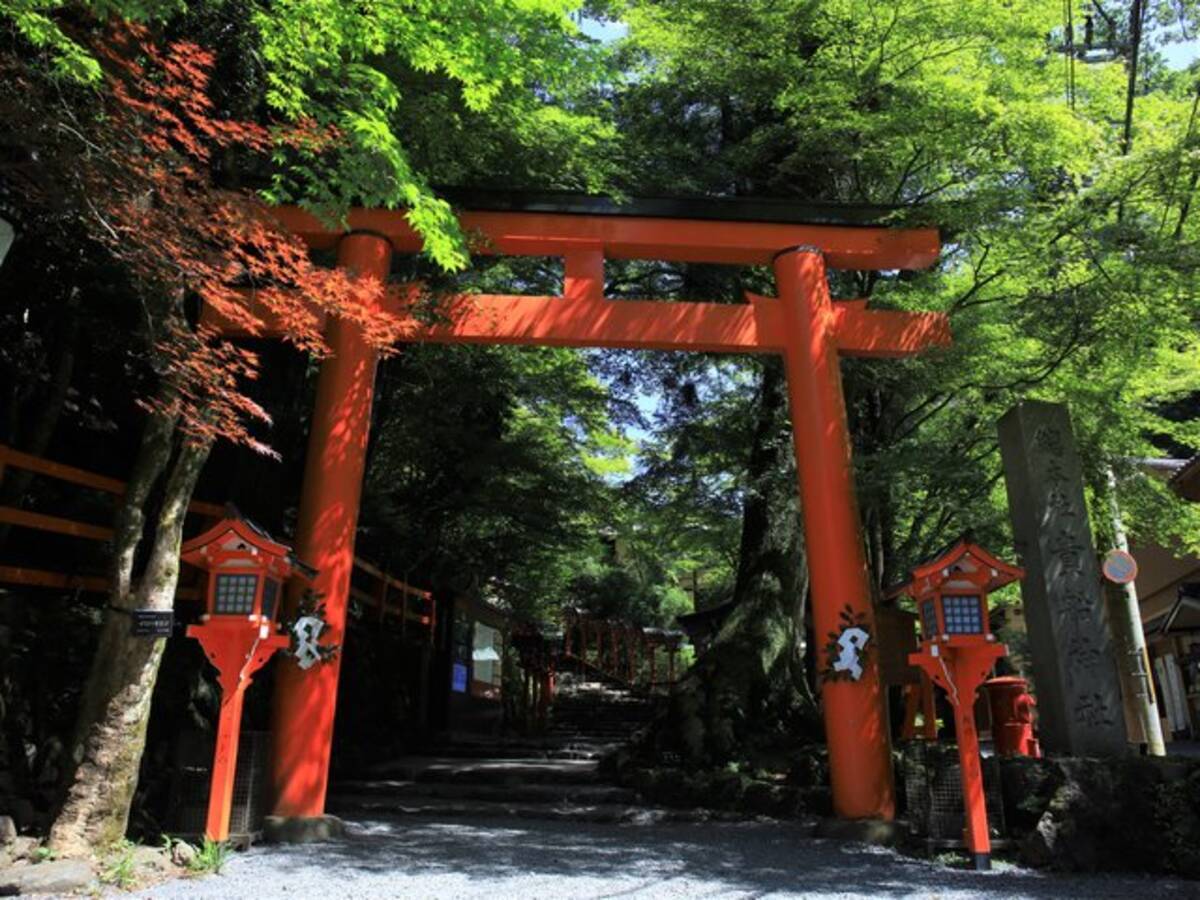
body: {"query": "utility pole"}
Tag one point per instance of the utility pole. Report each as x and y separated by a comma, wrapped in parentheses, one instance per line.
(1125, 615)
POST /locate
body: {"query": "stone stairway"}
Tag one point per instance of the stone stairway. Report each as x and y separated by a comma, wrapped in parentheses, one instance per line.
(556, 776)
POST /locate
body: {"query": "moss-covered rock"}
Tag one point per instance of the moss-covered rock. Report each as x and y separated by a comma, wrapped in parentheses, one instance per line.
(1132, 813)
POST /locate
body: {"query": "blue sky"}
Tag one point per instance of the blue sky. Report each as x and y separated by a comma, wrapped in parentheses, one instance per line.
(1180, 56)
(603, 31)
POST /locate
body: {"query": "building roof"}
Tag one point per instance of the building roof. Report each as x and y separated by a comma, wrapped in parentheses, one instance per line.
(1186, 480)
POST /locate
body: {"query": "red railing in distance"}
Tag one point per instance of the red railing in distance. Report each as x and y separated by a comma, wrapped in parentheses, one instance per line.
(391, 597)
(636, 657)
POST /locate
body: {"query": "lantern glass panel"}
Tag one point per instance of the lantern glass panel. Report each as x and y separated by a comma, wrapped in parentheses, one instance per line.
(929, 626)
(235, 595)
(963, 614)
(270, 596)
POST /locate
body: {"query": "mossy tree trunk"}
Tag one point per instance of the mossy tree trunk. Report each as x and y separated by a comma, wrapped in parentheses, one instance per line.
(750, 684)
(115, 707)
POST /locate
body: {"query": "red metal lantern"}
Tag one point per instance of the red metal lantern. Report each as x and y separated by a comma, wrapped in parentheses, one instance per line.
(957, 652)
(247, 571)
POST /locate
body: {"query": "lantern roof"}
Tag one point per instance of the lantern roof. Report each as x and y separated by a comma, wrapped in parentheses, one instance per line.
(962, 561)
(243, 534)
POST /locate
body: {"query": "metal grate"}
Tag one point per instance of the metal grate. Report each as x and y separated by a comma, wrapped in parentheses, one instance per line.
(962, 614)
(933, 792)
(235, 594)
(190, 789)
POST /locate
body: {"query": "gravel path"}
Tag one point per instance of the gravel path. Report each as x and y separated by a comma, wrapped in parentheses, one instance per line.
(530, 860)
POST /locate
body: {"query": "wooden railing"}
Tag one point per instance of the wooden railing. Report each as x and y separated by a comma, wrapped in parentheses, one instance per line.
(23, 518)
(393, 597)
(388, 594)
(622, 651)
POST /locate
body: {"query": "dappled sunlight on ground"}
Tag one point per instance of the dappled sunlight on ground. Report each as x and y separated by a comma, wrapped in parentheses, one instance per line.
(534, 859)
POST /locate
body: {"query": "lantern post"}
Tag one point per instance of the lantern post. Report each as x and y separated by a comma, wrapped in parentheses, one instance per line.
(957, 652)
(239, 633)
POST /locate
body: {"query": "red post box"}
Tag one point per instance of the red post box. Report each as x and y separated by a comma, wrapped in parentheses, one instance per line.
(1012, 716)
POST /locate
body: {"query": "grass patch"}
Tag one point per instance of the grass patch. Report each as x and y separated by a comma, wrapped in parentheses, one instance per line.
(120, 868)
(210, 858)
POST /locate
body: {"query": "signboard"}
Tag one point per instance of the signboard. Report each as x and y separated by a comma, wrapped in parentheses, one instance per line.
(1119, 567)
(458, 678)
(152, 623)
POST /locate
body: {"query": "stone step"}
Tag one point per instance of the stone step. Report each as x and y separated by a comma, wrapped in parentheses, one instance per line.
(489, 771)
(567, 747)
(607, 735)
(614, 813)
(356, 792)
(560, 715)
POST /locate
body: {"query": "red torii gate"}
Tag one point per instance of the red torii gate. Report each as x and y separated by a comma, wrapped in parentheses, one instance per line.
(801, 323)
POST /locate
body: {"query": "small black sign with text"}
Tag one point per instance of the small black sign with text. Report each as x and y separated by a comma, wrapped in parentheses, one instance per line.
(152, 622)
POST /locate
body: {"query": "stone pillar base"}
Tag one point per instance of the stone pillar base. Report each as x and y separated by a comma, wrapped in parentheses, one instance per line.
(881, 832)
(302, 829)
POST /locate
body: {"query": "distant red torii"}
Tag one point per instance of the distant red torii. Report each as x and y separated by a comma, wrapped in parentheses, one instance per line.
(801, 323)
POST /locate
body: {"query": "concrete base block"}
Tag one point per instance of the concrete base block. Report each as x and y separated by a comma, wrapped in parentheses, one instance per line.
(302, 829)
(863, 831)
(57, 877)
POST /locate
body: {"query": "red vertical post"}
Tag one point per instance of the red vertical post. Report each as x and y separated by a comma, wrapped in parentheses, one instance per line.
(333, 474)
(220, 798)
(855, 719)
(975, 829)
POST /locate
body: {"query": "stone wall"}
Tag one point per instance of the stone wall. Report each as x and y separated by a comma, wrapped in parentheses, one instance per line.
(1138, 814)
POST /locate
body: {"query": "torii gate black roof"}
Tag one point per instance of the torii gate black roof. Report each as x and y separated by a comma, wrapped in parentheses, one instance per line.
(785, 210)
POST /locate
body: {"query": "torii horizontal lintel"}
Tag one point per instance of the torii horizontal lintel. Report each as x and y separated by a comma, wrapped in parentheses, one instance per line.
(586, 320)
(640, 237)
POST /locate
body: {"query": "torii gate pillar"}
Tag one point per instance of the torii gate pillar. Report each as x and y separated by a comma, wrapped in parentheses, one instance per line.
(333, 475)
(860, 765)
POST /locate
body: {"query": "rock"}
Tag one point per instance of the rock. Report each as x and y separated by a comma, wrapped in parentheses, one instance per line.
(24, 847)
(152, 860)
(302, 829)
(60, 876)
(21, 848)
(183, 854)
(8, 830)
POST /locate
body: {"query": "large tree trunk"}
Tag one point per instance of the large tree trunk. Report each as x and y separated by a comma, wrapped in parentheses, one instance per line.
(115, 708)
(751, 680)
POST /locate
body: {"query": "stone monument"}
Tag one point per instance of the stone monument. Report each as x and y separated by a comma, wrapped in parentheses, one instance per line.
(1074, 668)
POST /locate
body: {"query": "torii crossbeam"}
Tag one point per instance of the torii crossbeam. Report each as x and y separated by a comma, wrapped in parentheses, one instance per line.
(802, 323)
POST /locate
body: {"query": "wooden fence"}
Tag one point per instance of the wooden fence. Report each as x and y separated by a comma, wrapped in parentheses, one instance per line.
(383, 592)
